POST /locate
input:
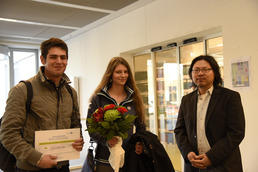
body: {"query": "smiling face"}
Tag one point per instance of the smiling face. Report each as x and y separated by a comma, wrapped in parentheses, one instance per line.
(202, 75)
(120, 75)
(55, 63)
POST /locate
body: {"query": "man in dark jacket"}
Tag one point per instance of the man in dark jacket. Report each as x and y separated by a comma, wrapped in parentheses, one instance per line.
(210, 124)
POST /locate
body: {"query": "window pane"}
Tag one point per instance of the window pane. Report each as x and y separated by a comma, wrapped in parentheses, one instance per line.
(24, 65)
(5, 80)
(187, 54)
(215, 49)
(167, 76)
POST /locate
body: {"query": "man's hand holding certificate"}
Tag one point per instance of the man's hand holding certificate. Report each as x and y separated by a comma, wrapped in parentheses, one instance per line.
(59, 143)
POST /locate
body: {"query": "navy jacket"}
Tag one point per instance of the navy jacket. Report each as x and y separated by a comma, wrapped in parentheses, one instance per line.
(100, 100)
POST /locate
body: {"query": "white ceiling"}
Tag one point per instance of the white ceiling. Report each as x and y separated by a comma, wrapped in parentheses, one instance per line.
(36, 20)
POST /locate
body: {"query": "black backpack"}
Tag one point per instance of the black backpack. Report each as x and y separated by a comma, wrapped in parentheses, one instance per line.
(7, 160)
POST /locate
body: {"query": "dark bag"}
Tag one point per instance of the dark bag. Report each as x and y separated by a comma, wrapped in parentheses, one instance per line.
(7, 160)
(89, 164)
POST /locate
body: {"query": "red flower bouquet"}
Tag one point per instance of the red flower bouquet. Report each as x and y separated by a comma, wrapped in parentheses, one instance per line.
(111, 120)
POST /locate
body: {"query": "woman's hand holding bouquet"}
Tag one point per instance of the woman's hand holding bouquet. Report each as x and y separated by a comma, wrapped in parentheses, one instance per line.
(113, 123)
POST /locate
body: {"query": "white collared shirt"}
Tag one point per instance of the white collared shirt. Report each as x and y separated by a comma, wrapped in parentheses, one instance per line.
(202, 106)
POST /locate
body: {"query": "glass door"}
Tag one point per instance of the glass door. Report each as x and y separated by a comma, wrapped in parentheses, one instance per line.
(168, 99)
(144, 79)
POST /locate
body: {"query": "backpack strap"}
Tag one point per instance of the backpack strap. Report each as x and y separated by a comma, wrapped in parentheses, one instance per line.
(69, 89)
(29, 95)
(28, 101)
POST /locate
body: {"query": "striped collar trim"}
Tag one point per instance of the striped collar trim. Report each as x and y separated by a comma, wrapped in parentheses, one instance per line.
(128, 89)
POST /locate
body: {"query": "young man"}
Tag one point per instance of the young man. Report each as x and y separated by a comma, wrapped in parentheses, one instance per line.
(53, 109)
(210, 124)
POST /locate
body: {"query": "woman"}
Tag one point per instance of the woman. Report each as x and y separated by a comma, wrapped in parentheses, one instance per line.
(116, 87)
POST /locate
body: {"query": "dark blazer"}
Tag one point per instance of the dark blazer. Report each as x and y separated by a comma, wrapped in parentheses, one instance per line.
(224, 127)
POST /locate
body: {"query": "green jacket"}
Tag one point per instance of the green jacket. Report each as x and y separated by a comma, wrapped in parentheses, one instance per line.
(53, 107)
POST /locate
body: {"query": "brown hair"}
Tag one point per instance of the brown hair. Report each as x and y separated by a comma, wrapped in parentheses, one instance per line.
(113, 63)
(50, 43)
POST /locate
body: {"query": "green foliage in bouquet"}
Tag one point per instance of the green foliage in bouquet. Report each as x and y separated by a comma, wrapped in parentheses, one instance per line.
(110, 121)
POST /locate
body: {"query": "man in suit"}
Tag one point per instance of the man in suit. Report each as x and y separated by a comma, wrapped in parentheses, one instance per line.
(210, 124)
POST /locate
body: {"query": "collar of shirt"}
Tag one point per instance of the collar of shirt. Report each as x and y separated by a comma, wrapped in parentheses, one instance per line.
(209, 91)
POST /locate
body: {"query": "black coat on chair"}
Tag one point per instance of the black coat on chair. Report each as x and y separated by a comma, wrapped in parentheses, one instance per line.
(153, 159)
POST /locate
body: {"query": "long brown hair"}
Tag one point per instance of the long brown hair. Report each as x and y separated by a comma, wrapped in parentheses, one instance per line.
(113, 63)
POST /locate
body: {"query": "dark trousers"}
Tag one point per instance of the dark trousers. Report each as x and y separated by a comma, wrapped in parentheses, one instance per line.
(64, 168)
(205, 170)
(102, 167)
(211, 170)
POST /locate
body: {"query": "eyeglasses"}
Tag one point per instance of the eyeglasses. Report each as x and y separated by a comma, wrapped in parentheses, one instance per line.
(203, 70)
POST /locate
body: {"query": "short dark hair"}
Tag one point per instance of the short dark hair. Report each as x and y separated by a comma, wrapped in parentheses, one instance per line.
(50, 43)
(214, 65)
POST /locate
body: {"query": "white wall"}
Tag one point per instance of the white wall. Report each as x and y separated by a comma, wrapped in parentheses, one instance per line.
(164, 20)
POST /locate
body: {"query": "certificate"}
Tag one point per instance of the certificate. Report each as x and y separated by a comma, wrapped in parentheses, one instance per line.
(58, 143)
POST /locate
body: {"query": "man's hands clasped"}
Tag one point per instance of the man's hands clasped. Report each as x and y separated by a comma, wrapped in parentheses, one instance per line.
(199, 161)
